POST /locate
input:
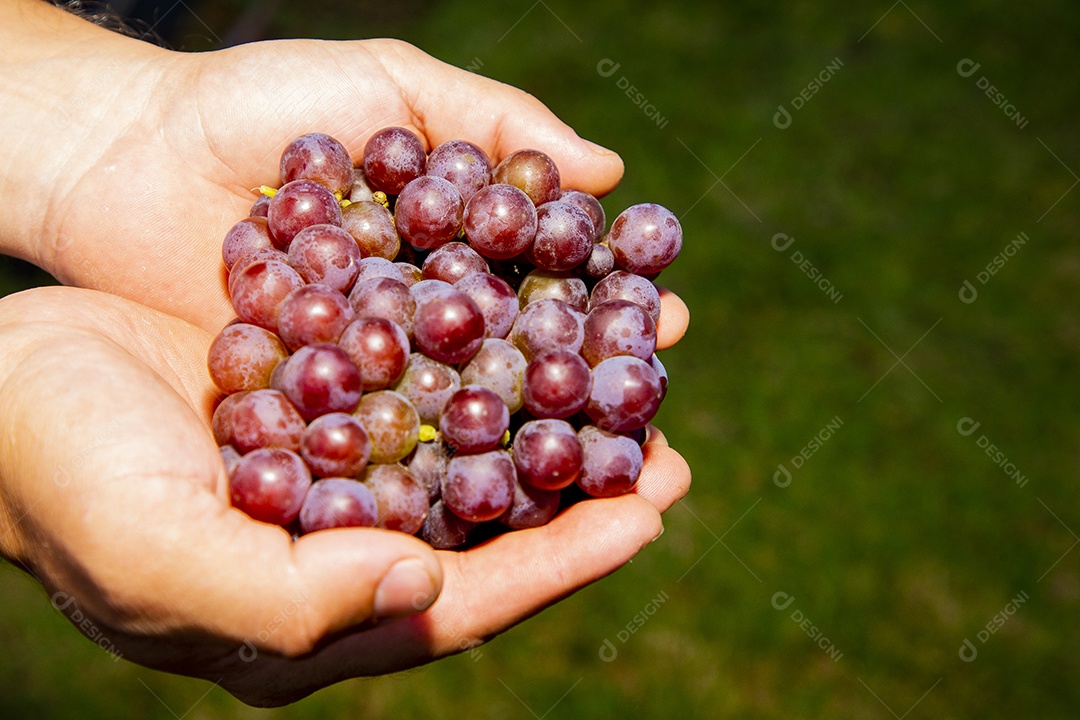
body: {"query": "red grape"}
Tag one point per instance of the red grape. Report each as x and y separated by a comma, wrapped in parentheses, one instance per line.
(338, 502)
(479, 487)
(402, 503)
(463, 164)
(500, 221)
(313, 314)
(474, 420)
(547, 454)
(625, 394)
(393, 157)
(392, 424)
(429, 212)
(298, 205)
(242, 357)
(335, 445)
(379, 348)
(556, 384)
(321, 379)
(269, 485)
(533, 172)
(645, 238)
(611, 463)
(317, 157)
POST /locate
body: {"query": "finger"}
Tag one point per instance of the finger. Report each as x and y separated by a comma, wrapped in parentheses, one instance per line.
(139, 470)
(674, 319)
(665, 476)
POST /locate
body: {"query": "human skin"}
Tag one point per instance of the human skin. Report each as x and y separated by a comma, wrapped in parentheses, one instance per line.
(123, 167)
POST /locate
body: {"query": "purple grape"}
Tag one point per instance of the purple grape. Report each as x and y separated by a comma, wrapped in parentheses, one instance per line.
(428, 466)
(601, 261)
(426, 290)
(548, 325)
(392, 424)
(563, 237)
(373, 267)
(645, 238)
(384, 297)
(242, 357)
(530, 508)
(474, 420)
(269, 484)
(496, 299)
(259, 290)
(402, 503)
(500, 367)
(298, 205)
(591, 206)
(429, 212)
(547, 454)
(372, 227)
(500, 221)
(449, 327)
(321, 379)
(326, 254)
(479, 487)
(261, 207)
(428, 384)
(545, 284)
(360, 191)
(625, 394)
(379, 348)
(251, 258)
(245, 237)
(619, 327)
(265, 418)
(443, 530)
(611, 462)
(335, 445)
(313, 314)
(661, 373)
(622, 285)
(463, 164)
(556, 384)
(222, 421)
(410, 274)
(320, 158)
(531, 171)
(393, 157)
(336, 502)
(453, 262)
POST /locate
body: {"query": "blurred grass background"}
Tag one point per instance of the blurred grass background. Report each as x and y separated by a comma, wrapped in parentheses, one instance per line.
(900, 538)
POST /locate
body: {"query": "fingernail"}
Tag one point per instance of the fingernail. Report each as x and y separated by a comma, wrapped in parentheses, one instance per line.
(599, 149)
(406, 588)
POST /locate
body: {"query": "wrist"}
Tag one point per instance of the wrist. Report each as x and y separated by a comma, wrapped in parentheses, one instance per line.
(69, 89)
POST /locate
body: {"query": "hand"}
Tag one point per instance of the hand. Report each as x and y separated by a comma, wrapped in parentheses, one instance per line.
(114, 496)
(152, 155)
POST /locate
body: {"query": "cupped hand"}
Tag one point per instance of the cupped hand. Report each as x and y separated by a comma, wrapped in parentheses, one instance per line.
(171, 146)
(115, 498)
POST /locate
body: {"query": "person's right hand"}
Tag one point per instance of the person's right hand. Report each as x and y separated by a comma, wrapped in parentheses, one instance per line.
(113, 495)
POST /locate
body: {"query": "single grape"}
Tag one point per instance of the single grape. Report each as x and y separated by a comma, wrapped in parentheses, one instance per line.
(547, 454)
(474, 420)
(320, 158)
(338, 502)
(298, 205)
(393, 157)
(625, 394)
(591, 206)
(379, 348)
(259, 290)
(251, 258)
(452, 262)
(618, 327)
(243, 238)
(479, 487)
(563, 237)
(496, 299)
(321, 379)
(531, 507)
(531, 171)
(428, 465)
(463, 164)
(269, 484)
(392, 424)
(428, 289)
(373, 267)
(372, 227)
(500, 367)
(546, 284)
(449, 327)
(548, 325)
(556, 384)
(360, 190)
(500, 221)
(611, 463)
(622, 285)
(402, 503)
(222, 423)
(443, 530)
(335, 445)
(384, 297)
(313, 314)
(601, 261)
(645, 238)
(242, 357)
(265, 418)
(326, 254)
(410, 274)
(429, 212)
(661, 373)
(428, 384)
(261, 207)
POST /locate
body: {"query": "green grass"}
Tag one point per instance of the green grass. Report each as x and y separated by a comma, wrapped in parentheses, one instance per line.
(899, 538)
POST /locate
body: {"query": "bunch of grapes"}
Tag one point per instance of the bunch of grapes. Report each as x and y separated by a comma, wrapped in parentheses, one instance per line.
(425, 343)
